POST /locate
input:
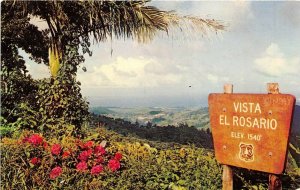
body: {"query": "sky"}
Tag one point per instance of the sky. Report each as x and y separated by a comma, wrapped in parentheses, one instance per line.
(261, 44)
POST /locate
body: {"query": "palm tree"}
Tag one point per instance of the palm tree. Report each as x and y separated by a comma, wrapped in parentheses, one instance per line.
(72, 26)
(99, 20)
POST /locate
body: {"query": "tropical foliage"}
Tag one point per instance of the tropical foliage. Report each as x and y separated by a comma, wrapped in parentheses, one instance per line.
(72, 27)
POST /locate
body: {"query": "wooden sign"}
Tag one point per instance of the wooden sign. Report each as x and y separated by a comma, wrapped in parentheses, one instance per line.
(251, 130)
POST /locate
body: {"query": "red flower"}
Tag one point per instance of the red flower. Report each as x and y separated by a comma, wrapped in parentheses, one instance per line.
(35, 139)
(118, 156)
(35, 160)
(55, 149)
(99, 160)
(88, 145)
(99, 150)
(81, 166)
(66, 154)
(96, 170)
(45, 145)
(84, 155)
(55, 172)
(114, 165)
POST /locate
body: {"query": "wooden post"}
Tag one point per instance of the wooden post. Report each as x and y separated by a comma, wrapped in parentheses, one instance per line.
(273, 88)
(228, 88)
(274, 180)
(227, 177)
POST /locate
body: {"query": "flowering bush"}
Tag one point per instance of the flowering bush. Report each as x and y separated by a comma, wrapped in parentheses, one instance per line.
(114, 165)
(49, 160)
(34, 160)
(34, 139)
(55, 172)
(81, 166)
(96, 170)
(118, 156)
(55, 149)
(90, 156)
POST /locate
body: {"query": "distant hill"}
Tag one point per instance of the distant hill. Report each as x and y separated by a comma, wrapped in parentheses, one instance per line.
(197, 117)
(101, 110)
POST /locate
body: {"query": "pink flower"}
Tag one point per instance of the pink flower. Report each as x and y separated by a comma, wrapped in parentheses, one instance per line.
(96, 170)
(35, 139)
(114, 165)
(99, 160)
(81, 166)
(88, 145)
(35, 160)
(55, 172)
(55, 149)
(118, 156)
(84, 155)
(99, 150)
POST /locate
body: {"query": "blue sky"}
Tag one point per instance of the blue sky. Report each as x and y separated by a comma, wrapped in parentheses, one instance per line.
(261, 44)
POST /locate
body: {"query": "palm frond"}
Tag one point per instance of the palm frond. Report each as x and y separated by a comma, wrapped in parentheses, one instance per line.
(122, 19)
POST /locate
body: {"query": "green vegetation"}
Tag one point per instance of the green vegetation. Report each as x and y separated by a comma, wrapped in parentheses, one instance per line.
(154, 112)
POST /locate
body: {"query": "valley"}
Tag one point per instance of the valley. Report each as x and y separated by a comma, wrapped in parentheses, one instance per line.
(197, 116)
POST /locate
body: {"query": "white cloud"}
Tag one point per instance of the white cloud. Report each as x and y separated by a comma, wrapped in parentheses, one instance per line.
(274, 63)
(212, 78)
(38, 71)
(233, 12)
(156, 68)
(216, 79)
(129, 72)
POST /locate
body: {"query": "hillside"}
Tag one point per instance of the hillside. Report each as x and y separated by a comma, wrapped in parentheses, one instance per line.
(182, 134)
(197, 117)
(178, 125)
(166, 139)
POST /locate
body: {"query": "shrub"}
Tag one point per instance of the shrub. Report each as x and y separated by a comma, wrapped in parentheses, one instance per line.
(33, 162)
(178, 167)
